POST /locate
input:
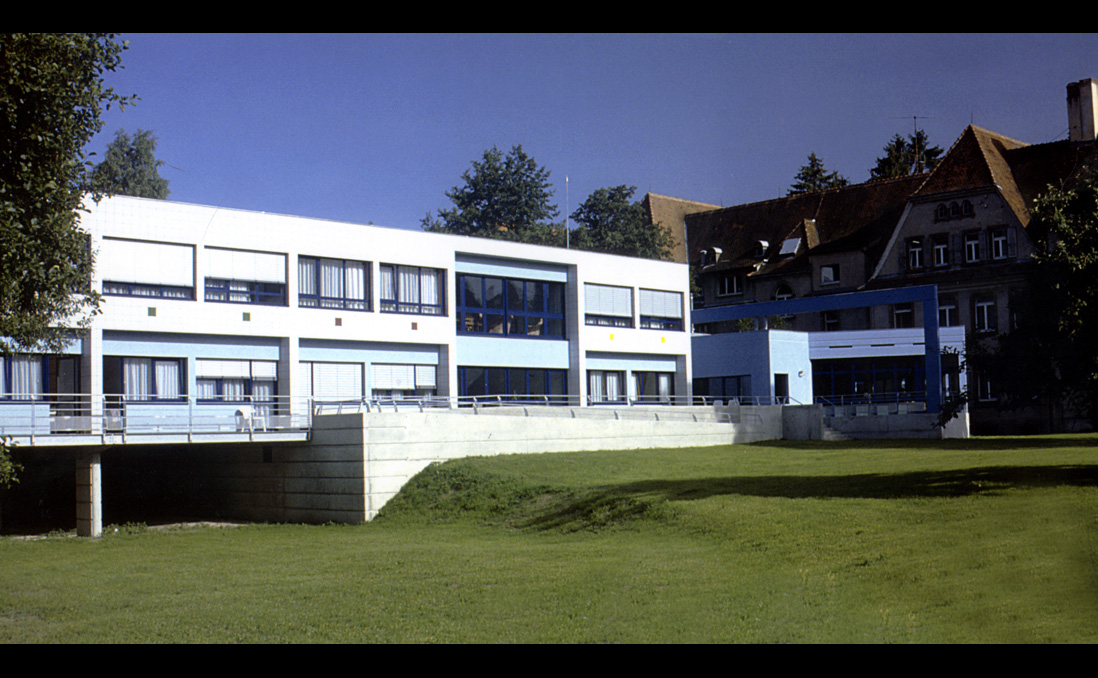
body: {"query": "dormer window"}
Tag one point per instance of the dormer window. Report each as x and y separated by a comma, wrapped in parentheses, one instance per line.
(760, 248)
(790, 247)
(829, 274)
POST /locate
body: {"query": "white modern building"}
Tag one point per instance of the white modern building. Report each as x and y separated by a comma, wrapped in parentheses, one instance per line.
(205, 309)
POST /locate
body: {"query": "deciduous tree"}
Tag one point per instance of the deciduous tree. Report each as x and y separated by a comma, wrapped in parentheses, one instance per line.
(609, 221)
(503, 196)
(52, 92)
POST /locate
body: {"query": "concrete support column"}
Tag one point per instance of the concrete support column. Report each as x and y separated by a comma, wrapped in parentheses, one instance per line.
(89, 496)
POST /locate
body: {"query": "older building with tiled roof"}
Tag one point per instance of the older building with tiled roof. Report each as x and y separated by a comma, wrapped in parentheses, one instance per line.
(962, 226)
(670, 212)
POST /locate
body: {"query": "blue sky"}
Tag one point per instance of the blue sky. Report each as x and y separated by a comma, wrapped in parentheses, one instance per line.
(376, 128)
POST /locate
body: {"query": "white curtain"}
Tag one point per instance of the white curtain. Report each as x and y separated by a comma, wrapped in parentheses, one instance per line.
(665, 387)
(232, 389)
(306, 275)
(613, 386)
(594, 387)
(388, 283)
(429, 287)
(206, 389)
(331, 283)
(167, 378)
(26, 377)
(135, 378)
(355, 294)
(409, 284)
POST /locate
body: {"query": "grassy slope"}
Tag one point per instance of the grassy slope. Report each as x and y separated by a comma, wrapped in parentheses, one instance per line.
(974, 541)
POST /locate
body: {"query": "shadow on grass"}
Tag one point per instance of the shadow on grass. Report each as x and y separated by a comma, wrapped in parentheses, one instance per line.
(616, 503)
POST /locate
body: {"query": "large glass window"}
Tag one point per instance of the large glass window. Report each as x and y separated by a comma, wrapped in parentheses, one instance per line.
(22, 377)
(412, 289)
(333, 283)
(509, 307)
(513, 384)
(654, 387)
(236, 380)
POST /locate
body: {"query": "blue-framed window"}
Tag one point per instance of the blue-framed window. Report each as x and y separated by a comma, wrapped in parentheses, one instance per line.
(333, 283)
(23, 377)
(412, 289)
(869, 379)
(514, 384)
(661, 310)
(123, 289)
(654, 387)
(145, 379)
(245, 292)
(509, 307)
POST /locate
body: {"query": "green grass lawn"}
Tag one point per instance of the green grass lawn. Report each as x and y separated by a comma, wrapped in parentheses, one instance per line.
(984, 540)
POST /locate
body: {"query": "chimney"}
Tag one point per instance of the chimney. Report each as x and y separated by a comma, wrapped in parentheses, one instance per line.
(1082, 99)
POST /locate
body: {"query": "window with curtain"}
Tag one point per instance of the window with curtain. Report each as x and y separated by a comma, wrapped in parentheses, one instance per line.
(412, 289)
(236, 380)
(604, 386)
(245, 277)
(333, 283)
(22, 377)
(152, 378)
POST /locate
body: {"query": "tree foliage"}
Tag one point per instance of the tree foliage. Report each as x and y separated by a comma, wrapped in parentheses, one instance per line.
(815, 177)
(903, 157)
(130, 167)
(609, 221)
(51, 99)
(503, 196)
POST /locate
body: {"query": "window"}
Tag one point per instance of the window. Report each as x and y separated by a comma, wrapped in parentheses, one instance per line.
(903, 315)
(942, 213)
(915, 253)
(146, 269)
(947, 313)
(514, 384)
(985, 392)
(605, 386)
(829, 275)
(984, 314)
(730, 284)
(331, 381)
(660, 310)
(941, 250)
(654, 387)
(22, 377)
(411, 289)
(972, 247)
(151, 378)
(243, 277)
(728, 387)
(830, 321)
(402, 381)
(333, 283)
(608, 306)
(235, 380)
(999, 248)
(509, 307)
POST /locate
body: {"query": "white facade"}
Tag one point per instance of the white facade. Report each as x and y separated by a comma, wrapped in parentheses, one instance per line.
(220, 306)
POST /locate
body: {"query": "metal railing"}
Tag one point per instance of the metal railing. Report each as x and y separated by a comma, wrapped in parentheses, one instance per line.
(109, 415)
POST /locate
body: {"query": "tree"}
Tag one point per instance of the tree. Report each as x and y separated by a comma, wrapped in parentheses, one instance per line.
(815, 177)
(906, 156)
(51, 95)
(609, 221)
(50, 103)
(506, 197)
(130, 167)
